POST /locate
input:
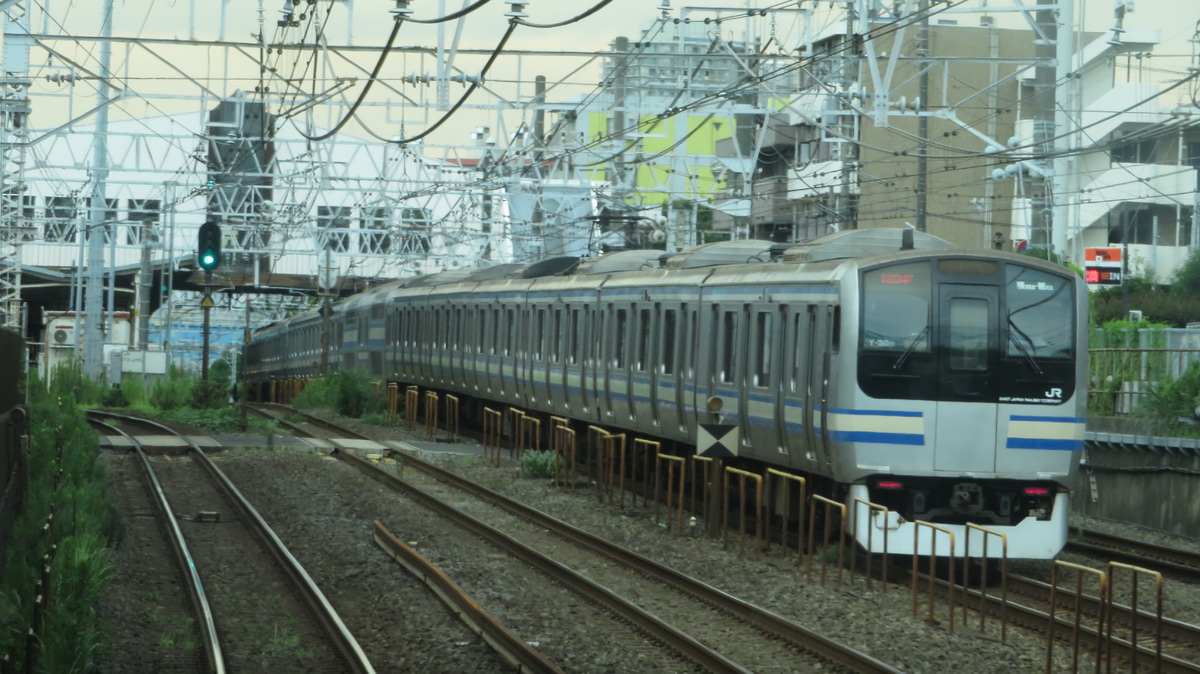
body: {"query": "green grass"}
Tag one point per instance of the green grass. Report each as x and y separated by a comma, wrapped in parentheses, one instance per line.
(537, 464)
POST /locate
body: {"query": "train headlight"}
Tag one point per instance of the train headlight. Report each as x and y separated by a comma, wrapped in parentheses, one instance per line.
(715, 404)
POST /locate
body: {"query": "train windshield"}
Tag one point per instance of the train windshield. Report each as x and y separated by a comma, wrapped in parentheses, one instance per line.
(1037, 304)
(967, 329)
(896, 308)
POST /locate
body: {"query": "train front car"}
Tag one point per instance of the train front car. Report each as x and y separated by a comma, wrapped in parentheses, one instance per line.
(968, 404)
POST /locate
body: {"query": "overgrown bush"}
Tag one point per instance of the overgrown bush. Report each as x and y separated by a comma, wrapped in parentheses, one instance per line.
(173, 392)
(209, 395)
(222, 419)
(63, 471)
(115, 398)
(1165, 403)
(134, 390)
(537, 464)
(317, 393)
(350, 393)
(356, 393)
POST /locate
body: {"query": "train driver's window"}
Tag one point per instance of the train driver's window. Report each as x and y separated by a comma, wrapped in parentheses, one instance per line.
(896, 308)
(1040, 314)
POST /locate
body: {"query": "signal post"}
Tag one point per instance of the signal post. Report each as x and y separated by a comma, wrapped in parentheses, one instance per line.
(208, 252)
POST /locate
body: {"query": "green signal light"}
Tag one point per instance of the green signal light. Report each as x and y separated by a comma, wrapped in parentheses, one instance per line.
(208, 260)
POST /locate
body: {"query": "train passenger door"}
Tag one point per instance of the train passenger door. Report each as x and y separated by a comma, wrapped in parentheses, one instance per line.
(969, 347)
(664, 399)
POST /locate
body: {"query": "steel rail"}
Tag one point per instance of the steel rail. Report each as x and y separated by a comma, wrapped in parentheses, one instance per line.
(214, 658)
(691, 649)
(502, 640)
(760, 618)
(1170, 561)
(345, 642)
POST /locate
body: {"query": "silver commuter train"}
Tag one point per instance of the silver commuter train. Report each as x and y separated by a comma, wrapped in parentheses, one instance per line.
(945, 384)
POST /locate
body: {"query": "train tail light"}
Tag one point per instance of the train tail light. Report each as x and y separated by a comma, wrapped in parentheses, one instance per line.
(890, 484)
(1039, 502)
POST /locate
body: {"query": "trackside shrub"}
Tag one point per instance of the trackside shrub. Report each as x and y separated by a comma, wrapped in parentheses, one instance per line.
(64, 477)
(537, 464)
(351, 393)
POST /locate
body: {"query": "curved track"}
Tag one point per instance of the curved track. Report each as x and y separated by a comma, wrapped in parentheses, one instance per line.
(198, 610)
(327, 626)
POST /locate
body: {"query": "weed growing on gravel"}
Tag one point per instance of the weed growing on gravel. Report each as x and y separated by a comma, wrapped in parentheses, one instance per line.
(174, 631)
(465, 461)
(538, 464)
(376, 419)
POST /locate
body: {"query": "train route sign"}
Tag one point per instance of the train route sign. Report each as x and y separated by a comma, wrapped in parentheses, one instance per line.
(717, 440)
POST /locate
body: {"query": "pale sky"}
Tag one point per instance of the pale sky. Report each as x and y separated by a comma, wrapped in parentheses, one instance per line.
(160, 72)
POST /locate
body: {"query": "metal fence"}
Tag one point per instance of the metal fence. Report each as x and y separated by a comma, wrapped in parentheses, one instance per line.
(1127, 366)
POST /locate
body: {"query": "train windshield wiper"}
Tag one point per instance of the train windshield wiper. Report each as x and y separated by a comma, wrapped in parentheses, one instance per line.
(911, 347)
(1013, 331)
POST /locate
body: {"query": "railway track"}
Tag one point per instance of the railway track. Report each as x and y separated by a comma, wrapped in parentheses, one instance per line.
(265, 609)
(754, 639)
(160, 544)
(1182, 564)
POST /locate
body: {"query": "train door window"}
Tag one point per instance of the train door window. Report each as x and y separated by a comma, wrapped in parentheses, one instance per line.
(598, 322)
(556, 337)
(668, 341)
(761, 348)
(620, 336)
(799, 332)
(539, 334)
(835, 336)
(510, 331)
(690, 340)
(479, 328)
(495, 343)
(573, 337)
(728, 346)
(968, 334)
(644, 329)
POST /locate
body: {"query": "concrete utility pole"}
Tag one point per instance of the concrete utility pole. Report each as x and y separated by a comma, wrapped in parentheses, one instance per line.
(93, 340)
(1052, 85)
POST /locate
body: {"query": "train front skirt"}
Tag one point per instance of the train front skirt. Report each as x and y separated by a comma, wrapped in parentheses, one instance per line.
(1030, 538)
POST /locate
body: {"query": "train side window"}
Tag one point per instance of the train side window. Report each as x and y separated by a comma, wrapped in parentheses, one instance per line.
(668, 341)
(728, 346)
(620, 336)
(510, 331)
(644, 327)
(691, 339)
(762, 349)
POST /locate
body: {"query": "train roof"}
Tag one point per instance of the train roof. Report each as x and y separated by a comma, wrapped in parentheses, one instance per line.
(856, 243)
(744, 251)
